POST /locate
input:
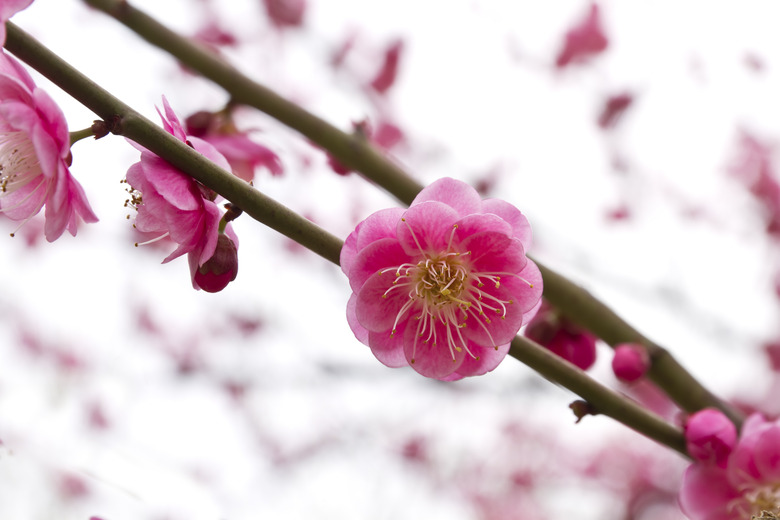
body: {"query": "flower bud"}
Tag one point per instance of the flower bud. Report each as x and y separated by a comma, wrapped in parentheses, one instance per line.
(220, 269)
(631, 362)
(710, 436)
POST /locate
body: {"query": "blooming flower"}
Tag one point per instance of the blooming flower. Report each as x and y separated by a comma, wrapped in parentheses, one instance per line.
(443, 286)
(35, 155)
(584, 40)
(171, 203)
(747, 485)
(243, 154)
(559, 335)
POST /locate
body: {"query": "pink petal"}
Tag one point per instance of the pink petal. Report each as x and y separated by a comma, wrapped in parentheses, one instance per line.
(382, 254)
(360, 332)
(382, 224)
(426, 228)
(520, 226)
(495, 253)
(491, 329)
(705, 493)
(376, 312)
(53, 120)
(349, 251)
(431, 360)
(458, 195)
(389, 350)
(767, 454)
(175, 187)
(489, 359)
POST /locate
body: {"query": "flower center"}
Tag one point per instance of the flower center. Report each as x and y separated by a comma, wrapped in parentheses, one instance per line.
(759, 500)
(18, 162)
(445, 289)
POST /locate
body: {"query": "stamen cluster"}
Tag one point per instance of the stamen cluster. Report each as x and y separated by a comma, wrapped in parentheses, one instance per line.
(443, 286)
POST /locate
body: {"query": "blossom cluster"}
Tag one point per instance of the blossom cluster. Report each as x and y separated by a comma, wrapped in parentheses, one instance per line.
(732, 479)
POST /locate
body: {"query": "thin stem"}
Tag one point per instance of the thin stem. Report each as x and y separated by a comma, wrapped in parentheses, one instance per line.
(604, 400)
(78, 135)
(359, 155)
(125, 121)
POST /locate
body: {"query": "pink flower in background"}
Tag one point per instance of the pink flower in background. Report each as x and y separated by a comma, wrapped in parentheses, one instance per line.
(8, 8)
(613, 110)
(286, 13)
(443, 286)
(242, 153)
(584, 40)
(558, 334)
(171, 203)
(748, 484)
(631, 362)
(385, 137)
(385, 77)
(35, 155)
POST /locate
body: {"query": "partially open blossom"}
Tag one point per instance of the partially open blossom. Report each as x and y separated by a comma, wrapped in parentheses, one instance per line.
(747, 485)
(584, 40)
(710, 436)
(443, 286)
(171, 203)
(220, 269)
(558, 334)
(8, 8)
(631, 362)
(242, 153)
(35, 155)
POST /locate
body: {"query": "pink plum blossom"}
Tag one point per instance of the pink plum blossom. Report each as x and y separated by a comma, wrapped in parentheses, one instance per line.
(746, 486)
(710, 436)
(285, 13)
(173, 204)
(8, 8)
(558, 334)
(583, 41)
(443, 286)
(243, 154)
(631, 362)
(35, 156)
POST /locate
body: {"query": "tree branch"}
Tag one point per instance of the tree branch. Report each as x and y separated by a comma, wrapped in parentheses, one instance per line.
(126, 121)
(359, 155)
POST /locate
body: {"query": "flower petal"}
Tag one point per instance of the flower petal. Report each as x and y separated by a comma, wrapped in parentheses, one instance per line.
(426, 228)
(456, 194)
(520, 226)
(431, 359)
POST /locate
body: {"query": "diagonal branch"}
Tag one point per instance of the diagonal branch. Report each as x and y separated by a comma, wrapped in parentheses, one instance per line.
(125, 121)
(359, 155)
